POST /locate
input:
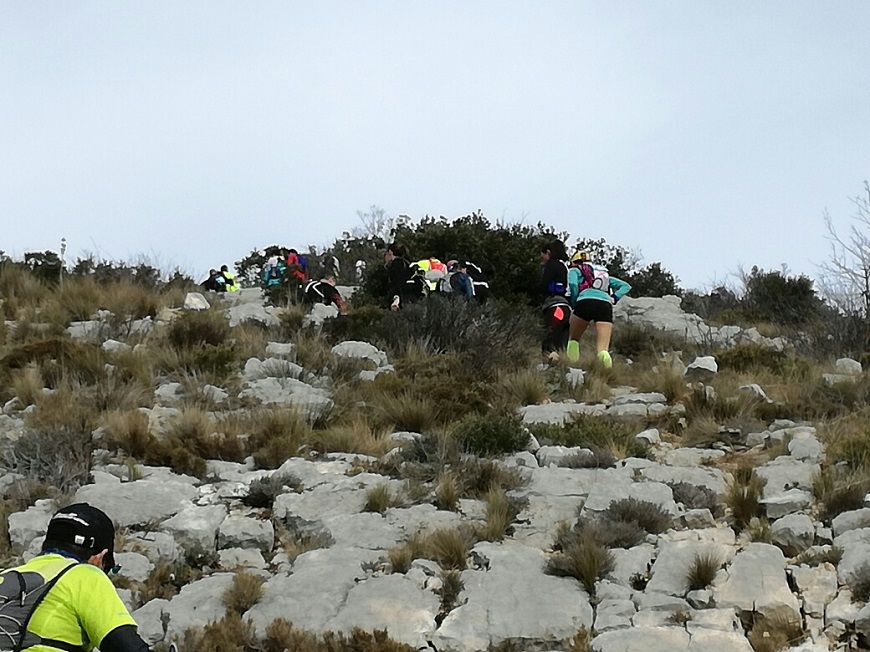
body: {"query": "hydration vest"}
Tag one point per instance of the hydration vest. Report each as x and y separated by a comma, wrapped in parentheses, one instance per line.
(20, 595)
(595, 277)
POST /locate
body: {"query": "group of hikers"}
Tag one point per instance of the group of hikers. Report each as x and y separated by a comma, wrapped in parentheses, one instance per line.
(411, 281)
(575, 291)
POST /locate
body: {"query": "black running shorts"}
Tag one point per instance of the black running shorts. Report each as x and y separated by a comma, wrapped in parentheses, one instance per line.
(594, 310)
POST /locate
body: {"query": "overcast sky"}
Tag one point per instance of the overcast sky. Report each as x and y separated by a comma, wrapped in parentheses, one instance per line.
(709, 135)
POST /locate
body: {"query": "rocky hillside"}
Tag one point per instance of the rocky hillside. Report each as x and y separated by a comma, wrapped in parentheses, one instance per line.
(669, 507)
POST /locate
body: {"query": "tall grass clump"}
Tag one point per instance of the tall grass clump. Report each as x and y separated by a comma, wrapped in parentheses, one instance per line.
(775, 633)
(379, 499)
(276, 436)
(743, 496)
(407, 411)
(500, 513)
(450, 547)
(524, 387)
(583, 558)
(245, 591)
(448, 491)
(702, 571)
(839, 491)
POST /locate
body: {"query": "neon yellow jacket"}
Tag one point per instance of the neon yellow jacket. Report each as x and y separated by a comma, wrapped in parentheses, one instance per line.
(81, 609)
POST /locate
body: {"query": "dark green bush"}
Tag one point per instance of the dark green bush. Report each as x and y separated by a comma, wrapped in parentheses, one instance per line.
(492, 434)
(487, 339)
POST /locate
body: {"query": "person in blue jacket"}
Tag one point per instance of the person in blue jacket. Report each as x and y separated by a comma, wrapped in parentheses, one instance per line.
(597, 292)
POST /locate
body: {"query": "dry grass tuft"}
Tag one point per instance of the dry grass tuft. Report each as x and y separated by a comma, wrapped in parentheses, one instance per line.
(584, 559)
(276, 436)
(524, 387)
(775, 634)
(27, 385)
(702, 571)
(449, 547)
(500, 514)
(403, 555)
(407, 411)
(379, 499)
(355, 436)
(448, 491)
(860, 584)
(245, 591)
(743, 496)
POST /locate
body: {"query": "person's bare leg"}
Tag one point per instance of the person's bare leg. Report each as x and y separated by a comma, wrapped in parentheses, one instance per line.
(576, 328)
(603, 331)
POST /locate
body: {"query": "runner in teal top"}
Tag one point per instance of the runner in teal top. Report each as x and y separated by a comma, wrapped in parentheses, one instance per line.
(594, 292)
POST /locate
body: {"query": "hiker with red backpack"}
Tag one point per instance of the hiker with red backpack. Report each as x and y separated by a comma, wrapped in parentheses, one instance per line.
(556, 308)
(594, 292)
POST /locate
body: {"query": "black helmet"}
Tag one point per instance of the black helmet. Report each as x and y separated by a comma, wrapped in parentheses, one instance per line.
(82, 528)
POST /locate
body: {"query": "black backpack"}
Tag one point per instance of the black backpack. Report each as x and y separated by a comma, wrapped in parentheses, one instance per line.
(20, 595)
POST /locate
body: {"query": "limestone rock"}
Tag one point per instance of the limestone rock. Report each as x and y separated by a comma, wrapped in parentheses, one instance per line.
(702, 369)
(852, 520)
(490, 614)
(315, 590)
(197, 526)
(252, 312)
(392, 603)
(134, 566)
(848, 367)
(361, 351)
(558, 412)
(246, 532)
(195, 301)
(757, 582)
(817, 587)
(197, 603)
(140, 502)
(793, 533)
(25, 526)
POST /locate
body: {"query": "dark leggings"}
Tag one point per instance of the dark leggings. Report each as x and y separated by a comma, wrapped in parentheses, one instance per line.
(556, 319)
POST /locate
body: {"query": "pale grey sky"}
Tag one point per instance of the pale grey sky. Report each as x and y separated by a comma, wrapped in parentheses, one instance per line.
(709, 135)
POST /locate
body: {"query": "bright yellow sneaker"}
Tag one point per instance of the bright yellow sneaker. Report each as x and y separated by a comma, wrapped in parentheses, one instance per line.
(573, 351)
(605, 359)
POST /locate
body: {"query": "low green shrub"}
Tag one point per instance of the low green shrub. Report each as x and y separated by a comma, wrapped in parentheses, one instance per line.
(492, 434)
(651, 517)
(596, 433)
(263, 491)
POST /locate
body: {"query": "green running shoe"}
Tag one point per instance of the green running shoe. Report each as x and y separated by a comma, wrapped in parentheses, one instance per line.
(573, 351)
(604, 357)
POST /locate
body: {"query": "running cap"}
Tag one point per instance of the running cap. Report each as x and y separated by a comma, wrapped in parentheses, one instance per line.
(83, 526)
